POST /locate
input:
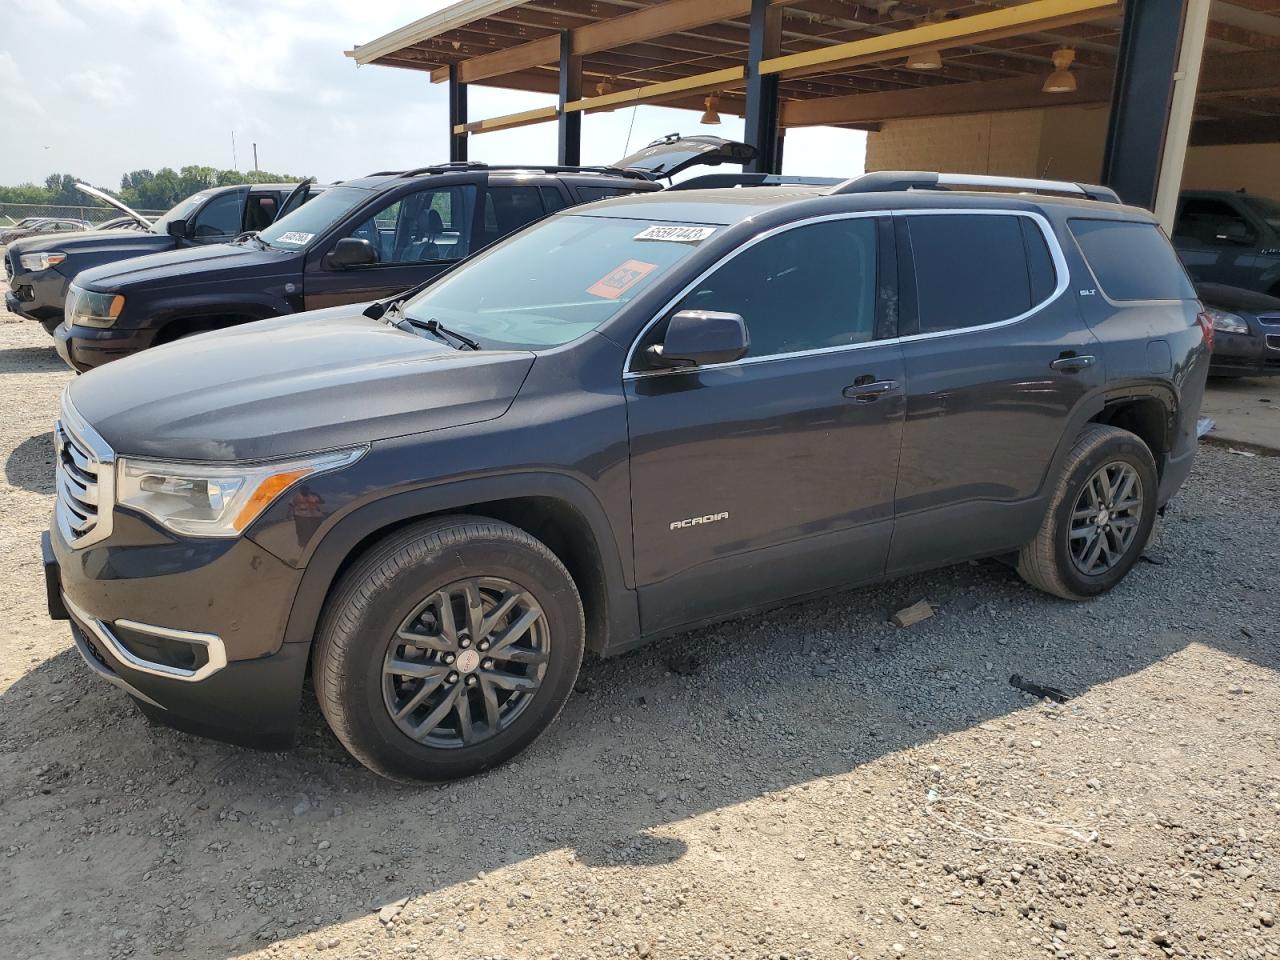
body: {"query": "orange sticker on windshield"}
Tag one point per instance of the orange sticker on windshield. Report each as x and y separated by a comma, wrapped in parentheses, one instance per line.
(615, 284)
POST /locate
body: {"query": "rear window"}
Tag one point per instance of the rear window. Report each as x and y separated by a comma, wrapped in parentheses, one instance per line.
(1132, 261)
(976, 269)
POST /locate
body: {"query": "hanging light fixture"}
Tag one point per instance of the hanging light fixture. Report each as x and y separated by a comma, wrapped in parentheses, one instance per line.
(1062, 80)
(710, 115)
(930, 58)
(603, 87)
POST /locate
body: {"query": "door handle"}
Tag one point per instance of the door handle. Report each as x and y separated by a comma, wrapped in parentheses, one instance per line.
(871, 391)
(1073, 364)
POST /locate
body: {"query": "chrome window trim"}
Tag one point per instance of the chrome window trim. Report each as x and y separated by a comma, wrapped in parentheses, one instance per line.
(217, 652)
(1051, 241)
(1055, 254)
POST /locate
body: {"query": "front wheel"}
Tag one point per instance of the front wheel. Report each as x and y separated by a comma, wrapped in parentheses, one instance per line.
(448, 649)
(1100, 516)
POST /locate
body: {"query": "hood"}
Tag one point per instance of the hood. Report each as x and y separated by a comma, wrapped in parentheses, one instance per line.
(127, 241)
(674, 153)
(306, 382)
(175, 266)
(119, 205)
(1236, 298)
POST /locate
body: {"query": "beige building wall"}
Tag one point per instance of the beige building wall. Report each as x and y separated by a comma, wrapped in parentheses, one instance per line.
(1061, 143)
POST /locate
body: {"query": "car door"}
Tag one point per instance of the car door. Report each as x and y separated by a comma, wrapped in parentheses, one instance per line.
(1216, 241)
(415, 235)
(219, 220)
(996, 357)
(772, 476)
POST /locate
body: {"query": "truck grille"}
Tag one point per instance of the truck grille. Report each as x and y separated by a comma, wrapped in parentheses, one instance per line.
(1270, 321)
(85, 480)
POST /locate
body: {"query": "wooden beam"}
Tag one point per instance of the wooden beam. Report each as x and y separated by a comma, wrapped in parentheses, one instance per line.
(963, 31)
(508, 121)
(1239, 73)
(674, 16)
(1212, 133)
(657, 92)
(1015, 93)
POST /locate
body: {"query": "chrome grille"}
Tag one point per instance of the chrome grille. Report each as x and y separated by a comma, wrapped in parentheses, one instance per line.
(84, 477)
(1270, 321)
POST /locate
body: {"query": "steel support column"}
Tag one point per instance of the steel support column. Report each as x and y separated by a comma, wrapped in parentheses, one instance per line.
(569, 151)
(457, 116)
(762, 130)
(1140, 100)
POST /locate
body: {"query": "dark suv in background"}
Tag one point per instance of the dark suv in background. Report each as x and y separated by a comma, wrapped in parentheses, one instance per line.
(362, 240)
(627, 420)
(40, 269)
(1230, 238)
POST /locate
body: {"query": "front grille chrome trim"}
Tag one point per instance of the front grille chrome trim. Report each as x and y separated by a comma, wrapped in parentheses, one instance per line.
(84, 480)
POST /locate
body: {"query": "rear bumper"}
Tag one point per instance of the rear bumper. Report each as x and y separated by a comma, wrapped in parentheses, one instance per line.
(83, 348)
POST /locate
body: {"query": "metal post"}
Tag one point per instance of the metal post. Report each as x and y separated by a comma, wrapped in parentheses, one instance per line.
(1141, 98)
(457, 116)
(569, 135)
(1182, 112)
(761, 131)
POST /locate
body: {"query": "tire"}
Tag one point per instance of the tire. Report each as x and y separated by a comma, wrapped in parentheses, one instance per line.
(1048, 562)
(396, 609)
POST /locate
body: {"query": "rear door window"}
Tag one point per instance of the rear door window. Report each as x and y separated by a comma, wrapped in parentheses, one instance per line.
(977, 269)
(507, 209)
(1131, 260)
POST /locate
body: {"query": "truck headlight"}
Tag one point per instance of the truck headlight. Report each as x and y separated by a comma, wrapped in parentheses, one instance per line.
(41, 261)
(1227, 322)
(88, 309)
(215, 500)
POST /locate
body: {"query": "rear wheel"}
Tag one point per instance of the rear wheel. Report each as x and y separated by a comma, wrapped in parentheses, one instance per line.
(448, 649)
(1100, 517)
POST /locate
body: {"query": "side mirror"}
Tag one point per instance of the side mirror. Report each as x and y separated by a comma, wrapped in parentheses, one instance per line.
(351, 252)
(1236, 232)
(698, 337)
(177, 229)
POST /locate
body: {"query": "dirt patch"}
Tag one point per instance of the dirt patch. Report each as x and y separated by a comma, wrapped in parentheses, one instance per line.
(812, 783)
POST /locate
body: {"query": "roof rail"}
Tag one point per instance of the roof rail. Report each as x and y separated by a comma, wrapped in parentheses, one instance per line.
(712, 180)
(457, 165)
(890, 180)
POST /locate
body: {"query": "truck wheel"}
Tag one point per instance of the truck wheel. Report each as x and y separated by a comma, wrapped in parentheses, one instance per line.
(1100, 516)
(448, 649)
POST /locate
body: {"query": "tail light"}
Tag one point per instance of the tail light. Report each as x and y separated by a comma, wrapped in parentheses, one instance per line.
(1206, 327)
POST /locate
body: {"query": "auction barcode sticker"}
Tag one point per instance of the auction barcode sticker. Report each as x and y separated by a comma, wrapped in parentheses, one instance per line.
(677, 234)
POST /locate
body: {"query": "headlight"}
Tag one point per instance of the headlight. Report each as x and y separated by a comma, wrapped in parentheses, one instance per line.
(41, 261)
(89, 309)
(1227, 322)
(215, 500)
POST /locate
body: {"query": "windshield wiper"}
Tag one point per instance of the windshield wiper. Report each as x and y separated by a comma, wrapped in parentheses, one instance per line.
(396, 317)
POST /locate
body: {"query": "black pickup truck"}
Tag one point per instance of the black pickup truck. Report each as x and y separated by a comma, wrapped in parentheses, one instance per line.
(41, 268)
(360, 241)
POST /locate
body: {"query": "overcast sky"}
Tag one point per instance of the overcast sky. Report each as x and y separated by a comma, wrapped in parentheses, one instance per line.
(96, 88)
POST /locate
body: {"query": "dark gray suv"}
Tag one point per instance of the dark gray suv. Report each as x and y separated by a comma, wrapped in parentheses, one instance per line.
(629, 419)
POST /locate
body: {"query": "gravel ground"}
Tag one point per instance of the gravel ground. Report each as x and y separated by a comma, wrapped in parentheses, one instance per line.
(811, 783)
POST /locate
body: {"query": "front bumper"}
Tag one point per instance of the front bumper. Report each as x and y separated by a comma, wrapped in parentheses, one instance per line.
(1247, 355)
(38, 296)
(83, 348)
(228, 599)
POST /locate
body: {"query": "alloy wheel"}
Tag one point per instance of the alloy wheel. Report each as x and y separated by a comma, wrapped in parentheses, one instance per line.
(466, 662)
(1106, 518)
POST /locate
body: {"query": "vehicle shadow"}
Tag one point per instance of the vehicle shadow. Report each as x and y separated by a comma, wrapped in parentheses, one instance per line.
(26, 360)
(263, 846)
(30, 464)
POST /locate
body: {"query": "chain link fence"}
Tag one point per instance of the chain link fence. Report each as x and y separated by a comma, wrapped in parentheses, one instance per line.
(11, 213)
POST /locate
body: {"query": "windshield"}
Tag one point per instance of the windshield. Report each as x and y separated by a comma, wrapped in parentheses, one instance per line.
(555, 281)
(1268, 209)
(295, 230)
(182, 211)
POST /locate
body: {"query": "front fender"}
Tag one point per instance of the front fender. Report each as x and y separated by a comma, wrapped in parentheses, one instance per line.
(325, 555)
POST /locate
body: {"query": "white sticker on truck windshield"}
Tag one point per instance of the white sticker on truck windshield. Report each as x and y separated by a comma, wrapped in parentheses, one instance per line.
(295, 236)
(676, 234)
